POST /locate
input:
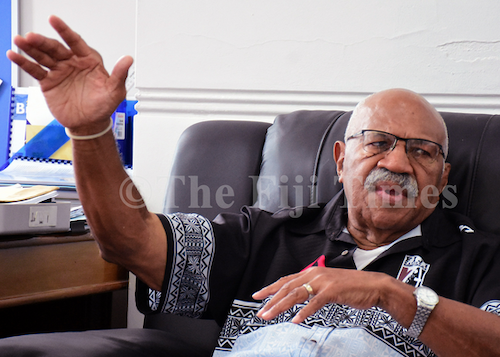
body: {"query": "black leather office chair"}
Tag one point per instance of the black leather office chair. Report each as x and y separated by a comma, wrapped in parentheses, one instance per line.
(293, 161)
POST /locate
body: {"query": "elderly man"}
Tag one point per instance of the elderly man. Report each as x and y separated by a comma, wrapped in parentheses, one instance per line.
(389, 275)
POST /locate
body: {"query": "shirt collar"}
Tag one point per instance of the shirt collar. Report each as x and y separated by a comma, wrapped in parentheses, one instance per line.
(345, 236)
(436, 230)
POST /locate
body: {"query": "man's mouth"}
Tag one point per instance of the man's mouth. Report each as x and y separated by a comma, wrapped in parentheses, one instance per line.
(391, 193)
(392, 190)
(392, 187)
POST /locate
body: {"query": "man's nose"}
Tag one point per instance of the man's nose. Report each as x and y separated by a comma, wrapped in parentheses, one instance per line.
(396, 159)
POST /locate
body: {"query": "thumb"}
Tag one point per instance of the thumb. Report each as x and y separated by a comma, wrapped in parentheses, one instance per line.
(120, 71)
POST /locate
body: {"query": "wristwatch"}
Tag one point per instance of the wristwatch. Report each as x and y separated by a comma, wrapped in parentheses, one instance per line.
(427, 299)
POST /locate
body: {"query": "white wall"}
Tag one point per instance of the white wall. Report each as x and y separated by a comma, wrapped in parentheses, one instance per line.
(106, 25)
(325, 45)
(224, 59)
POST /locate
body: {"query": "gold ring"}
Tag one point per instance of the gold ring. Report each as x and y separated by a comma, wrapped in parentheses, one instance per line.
(309, 290)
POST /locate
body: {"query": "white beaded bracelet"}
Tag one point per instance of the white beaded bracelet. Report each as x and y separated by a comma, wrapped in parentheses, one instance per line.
(92, 136)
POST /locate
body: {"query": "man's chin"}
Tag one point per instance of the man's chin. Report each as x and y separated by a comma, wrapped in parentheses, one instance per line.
(392, 219)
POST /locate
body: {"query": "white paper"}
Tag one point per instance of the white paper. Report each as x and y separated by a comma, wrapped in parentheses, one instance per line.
(40, 173)
(37, 111)
(17, 136)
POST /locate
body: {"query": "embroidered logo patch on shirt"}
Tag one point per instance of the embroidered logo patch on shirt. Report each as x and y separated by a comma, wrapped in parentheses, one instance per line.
(465, 229)
(492, 306)
(413, 270)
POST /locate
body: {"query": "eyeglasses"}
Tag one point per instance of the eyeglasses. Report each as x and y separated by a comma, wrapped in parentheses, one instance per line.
(376, 142)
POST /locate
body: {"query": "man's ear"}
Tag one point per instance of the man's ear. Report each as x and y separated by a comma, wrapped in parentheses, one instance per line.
(444, 176)
(338, 156)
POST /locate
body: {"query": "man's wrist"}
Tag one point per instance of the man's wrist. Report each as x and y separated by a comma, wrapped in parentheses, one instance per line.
(427, 299)
(89, 136)
(397, 299)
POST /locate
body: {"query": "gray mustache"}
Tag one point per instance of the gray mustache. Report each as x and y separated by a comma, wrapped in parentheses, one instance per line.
(405, 181)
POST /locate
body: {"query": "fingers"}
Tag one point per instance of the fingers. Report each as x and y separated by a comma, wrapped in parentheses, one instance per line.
(47, 52)
(312, 284)
(358, 289)
(314, 305)
(289, 291)
(273, 288)
(283, 301)
(29, 67)
(72, 39)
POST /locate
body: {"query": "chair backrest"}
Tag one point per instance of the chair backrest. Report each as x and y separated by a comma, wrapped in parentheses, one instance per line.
(222, 165)
(216, 167)
(218, 162)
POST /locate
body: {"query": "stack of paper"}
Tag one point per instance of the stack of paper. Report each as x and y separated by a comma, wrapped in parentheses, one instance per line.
(34, 194)
(32, 210)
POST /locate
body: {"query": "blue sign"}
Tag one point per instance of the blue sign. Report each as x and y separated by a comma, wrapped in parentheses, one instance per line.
(5, 76)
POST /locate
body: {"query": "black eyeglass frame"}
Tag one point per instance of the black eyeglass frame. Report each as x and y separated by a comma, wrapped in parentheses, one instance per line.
(361, 133)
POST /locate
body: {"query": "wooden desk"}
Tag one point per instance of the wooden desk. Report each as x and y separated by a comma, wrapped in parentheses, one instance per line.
(58, 283)
(39, 269)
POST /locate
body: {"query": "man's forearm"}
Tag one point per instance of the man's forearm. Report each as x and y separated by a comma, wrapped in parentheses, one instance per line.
(127, 233)
(453, 328)
(456, 329)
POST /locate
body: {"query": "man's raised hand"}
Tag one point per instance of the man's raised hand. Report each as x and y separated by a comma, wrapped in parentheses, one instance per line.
(79, 91)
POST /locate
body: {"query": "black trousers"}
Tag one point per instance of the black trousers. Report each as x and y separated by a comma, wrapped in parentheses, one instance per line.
(102, 343)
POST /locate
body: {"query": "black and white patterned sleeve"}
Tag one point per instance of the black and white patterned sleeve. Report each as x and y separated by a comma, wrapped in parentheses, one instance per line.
(191, 248)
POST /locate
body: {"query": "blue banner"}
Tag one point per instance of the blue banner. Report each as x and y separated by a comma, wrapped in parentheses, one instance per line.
(5, 77)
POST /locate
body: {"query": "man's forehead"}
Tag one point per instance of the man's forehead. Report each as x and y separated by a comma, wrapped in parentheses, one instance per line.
(402, 111)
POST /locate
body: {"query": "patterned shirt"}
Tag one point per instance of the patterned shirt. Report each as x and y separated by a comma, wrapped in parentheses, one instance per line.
(214, 267)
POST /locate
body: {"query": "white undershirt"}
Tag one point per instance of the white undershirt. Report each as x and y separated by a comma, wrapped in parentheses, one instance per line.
(364, 257)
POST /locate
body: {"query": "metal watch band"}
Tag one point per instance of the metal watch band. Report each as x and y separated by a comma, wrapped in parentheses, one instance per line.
(427, 299)
(418, 322)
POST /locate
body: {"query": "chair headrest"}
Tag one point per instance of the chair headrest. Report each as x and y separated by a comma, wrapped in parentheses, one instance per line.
(298, 166)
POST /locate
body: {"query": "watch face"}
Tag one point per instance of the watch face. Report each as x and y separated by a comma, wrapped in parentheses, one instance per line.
(427, 296)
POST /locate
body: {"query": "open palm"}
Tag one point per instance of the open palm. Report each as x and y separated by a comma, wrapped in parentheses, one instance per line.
(79, 91)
